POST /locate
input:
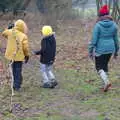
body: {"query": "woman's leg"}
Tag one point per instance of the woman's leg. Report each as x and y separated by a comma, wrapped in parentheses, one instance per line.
(100, 63)
(106, 61)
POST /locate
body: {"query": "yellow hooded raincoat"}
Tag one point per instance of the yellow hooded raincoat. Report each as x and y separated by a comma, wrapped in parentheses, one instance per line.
(17, 43)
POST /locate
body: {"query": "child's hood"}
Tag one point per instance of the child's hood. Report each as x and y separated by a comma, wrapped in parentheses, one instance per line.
(21, 26)
(49, 36)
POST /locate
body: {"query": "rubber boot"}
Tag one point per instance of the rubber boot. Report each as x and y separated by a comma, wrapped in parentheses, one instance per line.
(105, 79)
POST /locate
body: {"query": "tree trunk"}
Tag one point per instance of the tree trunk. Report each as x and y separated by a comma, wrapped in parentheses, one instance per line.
(113, 5)
(56, 9)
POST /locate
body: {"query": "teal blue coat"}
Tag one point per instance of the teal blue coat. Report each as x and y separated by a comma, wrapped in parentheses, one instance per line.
(104, 38)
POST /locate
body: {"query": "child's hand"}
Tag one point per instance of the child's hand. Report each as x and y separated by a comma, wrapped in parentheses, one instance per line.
(36, 52)
(33, 53)
(26, 59)
(10, 25)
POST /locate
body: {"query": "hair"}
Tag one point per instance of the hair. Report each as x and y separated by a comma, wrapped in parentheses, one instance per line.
(99, 15)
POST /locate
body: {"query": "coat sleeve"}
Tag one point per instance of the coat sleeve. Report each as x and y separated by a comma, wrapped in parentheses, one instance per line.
(116, 41)
(37, 52)
(43, 48)
(95, 37)
(25, 46)
(6, 33)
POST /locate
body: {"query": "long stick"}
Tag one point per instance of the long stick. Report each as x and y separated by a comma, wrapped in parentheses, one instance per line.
(12, 81)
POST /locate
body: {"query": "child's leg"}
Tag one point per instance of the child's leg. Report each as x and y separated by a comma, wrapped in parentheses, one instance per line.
(50, 73)
(51, 76)
(47, 76)
(17, 73)
(44, 73)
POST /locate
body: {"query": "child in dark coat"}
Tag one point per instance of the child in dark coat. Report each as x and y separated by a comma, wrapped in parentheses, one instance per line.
(47, 56)
(104, 43)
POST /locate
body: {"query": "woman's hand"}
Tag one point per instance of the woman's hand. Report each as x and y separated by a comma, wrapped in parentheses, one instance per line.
(115, 55)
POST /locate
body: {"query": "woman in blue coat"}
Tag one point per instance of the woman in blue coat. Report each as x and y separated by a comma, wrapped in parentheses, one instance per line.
(104, 44)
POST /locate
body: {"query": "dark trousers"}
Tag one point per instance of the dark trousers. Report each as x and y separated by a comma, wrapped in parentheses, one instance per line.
(101, 62)
(17, 74)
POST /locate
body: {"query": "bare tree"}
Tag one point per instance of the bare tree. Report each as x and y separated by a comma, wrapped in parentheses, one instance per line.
(113, 5)
(53, 10)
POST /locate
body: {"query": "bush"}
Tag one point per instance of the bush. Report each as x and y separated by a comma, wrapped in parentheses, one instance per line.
(10, 5)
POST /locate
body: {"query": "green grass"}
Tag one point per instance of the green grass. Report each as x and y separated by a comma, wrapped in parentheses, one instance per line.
(73, 99)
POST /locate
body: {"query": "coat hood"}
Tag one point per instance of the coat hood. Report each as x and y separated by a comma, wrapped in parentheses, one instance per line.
(21, 26)
(47, 30)
(106, 23)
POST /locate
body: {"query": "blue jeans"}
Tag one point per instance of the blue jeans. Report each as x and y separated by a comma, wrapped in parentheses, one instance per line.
(17, 74)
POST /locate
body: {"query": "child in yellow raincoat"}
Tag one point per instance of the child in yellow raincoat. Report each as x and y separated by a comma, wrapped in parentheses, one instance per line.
(17, 50)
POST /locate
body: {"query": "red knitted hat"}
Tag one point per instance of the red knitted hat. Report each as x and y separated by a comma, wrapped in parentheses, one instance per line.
(104, 10)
